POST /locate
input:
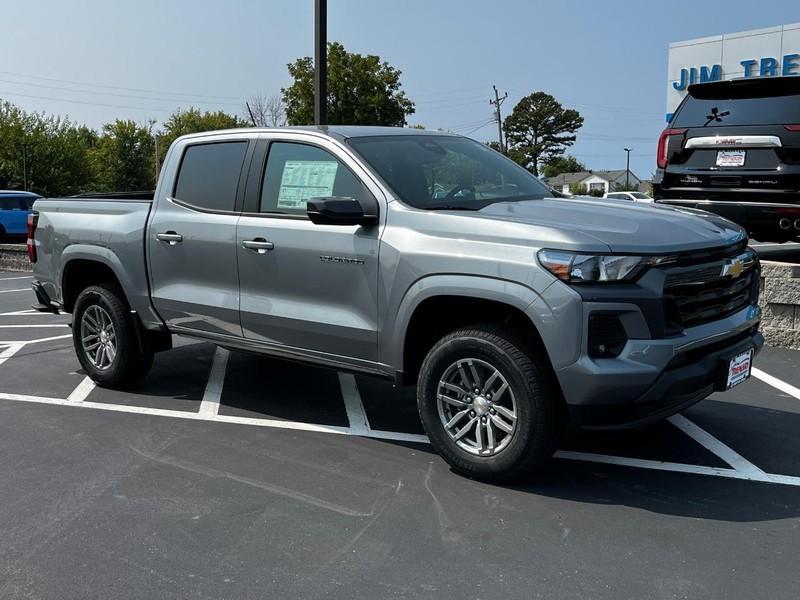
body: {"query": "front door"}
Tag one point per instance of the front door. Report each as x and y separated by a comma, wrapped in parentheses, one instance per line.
(306, 286)
(192, 241)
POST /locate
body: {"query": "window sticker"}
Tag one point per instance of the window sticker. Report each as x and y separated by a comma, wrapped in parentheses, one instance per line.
(304, 179)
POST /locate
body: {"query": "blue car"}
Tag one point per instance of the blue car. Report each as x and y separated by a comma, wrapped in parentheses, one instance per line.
(14, 210)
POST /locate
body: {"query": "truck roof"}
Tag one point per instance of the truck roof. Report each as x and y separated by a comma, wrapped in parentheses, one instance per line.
(18, 193)
(340, 132)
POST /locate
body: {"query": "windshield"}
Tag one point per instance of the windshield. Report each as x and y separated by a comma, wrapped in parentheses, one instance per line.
(640, 196)
(447, 172)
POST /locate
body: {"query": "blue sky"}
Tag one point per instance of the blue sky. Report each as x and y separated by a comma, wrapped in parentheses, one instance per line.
(146, 58)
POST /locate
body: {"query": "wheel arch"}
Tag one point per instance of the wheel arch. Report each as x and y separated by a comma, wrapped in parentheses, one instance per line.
(436, 305)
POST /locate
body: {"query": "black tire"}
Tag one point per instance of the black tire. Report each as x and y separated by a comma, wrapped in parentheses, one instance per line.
(537, 431)
(129, 364)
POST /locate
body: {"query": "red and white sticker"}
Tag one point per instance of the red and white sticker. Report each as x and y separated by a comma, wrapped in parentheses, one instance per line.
(739, 368)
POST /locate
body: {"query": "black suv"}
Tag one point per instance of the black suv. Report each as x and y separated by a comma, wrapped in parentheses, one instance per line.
(733, 148)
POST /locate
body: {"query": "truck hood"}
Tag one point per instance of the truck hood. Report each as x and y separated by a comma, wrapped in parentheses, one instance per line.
(621, 225)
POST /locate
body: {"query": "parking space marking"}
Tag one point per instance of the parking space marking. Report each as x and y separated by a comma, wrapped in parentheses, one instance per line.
(10, 351)
(37, 326)
(776, 383)
(47, 339)
(10, 278)
(17, 290)
(216, 379)
(708, 441)
(80, 393)
(356, 415)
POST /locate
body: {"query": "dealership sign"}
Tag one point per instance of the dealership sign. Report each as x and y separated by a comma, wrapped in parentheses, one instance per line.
(767, 66)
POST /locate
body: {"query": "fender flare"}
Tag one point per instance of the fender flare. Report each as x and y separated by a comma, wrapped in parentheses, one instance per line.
(98, 254)
(504, 291)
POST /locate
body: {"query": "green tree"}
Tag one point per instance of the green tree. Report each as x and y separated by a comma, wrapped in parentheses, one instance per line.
(123, 158)
(539, 129)
(193, 121)
(362, 90)
(43, 153)
(578, 189)
(562, 164)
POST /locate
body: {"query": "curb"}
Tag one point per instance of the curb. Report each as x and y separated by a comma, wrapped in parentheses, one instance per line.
(14, 257)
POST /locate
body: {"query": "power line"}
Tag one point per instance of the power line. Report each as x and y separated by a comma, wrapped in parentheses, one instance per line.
(84, 102)
(115, 87)
(63, 89)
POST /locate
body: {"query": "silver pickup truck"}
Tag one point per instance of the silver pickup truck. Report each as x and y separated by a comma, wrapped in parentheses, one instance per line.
(422, 257)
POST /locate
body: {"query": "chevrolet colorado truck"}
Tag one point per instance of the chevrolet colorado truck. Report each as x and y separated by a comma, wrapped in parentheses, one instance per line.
(422, 257)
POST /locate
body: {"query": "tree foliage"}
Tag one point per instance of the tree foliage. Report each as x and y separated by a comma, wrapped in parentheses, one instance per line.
(123, 158)
(362, 90)
(539, 129)
(562, 164)
(182, 122)
(47, 153)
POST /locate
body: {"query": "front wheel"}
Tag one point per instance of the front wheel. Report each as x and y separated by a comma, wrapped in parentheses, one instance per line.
(488, 406)
(104, 336)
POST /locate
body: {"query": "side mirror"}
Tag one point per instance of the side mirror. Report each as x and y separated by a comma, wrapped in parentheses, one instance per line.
(341, 210)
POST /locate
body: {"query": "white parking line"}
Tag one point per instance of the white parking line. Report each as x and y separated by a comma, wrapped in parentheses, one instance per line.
(359, 424)
(17, 290)
(10, 351)
(216, 379)
(708, 441)
(37, 326)
(47, 339)
(10, 278)
(80, 393)
(776, 383)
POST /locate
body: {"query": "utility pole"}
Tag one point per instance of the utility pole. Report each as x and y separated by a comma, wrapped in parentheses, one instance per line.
(627, 167)
(320, 62)
(497, 102)
(155, 136)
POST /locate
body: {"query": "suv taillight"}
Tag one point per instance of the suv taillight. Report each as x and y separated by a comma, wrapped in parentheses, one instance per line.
(33, 221)
(663, 145)
(792, 127)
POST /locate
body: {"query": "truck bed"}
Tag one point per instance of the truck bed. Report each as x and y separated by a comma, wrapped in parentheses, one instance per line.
(107, 228)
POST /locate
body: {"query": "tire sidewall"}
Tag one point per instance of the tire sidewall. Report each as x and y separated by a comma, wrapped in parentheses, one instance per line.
(105, 299)
(442, 356)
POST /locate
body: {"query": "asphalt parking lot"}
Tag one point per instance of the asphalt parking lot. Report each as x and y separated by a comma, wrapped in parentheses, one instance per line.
(233, 476)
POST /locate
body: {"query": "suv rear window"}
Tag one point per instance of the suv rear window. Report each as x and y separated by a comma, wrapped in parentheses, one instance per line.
(209, 175)
(754, 102)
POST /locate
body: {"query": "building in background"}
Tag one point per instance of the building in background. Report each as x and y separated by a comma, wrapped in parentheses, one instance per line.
(770, 52)
(601, 182)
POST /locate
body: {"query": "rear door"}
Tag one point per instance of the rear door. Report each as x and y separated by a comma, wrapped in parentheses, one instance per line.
(308, 287)
(192, 236)
(13, 215)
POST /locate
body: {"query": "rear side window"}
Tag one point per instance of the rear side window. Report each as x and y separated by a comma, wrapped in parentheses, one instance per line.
(776, 110)
(12, 204)
(297, 172)
(209, 175)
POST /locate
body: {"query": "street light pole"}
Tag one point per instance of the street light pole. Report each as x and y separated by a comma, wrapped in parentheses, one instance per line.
(627, 167)
(320, 62)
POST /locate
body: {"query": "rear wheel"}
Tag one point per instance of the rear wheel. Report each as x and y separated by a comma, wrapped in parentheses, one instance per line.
(104, 336)
(488, 405)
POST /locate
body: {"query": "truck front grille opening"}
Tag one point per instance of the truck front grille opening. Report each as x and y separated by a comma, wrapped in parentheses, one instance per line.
(704, 295)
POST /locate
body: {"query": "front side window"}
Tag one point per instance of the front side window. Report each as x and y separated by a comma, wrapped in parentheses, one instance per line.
(209, 175)
(447, 172)
(297, 172)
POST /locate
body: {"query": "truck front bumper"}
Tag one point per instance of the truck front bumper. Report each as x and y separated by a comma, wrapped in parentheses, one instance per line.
(653, 379)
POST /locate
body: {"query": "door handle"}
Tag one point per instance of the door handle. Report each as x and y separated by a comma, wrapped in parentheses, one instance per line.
(259, 245)
(170, 237)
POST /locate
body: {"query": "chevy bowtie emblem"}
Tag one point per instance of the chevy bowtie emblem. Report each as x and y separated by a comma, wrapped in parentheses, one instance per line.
(733, 267)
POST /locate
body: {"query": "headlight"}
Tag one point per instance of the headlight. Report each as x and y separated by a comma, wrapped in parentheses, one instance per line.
(592, 268)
